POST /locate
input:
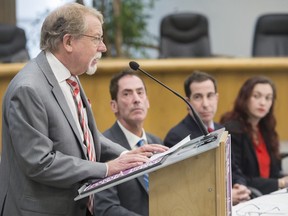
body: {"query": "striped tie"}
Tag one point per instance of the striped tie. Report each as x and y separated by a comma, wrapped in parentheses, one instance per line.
(210, 129)
(145, 176)
(72, 81)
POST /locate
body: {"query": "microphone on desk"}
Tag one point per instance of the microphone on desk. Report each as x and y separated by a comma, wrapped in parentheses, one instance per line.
(135, 66)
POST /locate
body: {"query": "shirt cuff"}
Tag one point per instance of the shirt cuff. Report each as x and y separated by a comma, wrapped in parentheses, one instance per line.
(124, 152)
(107, 167)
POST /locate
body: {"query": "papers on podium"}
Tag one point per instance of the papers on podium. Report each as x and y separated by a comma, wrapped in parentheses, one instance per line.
(180, 151)
(269, 204)
(172, 149)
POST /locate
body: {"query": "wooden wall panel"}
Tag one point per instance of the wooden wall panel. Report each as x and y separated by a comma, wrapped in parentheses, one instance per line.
(8, 12)
(166, 109)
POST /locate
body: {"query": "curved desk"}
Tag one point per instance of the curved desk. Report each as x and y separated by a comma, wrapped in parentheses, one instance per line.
(165, 108)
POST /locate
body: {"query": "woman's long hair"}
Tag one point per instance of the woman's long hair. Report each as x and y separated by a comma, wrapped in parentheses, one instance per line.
(240, 112)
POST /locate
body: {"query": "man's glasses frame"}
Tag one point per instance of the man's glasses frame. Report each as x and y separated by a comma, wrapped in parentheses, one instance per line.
(96, 39)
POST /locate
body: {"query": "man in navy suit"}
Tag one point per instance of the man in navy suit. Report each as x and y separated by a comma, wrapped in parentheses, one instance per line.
(130, 104)
(201, 92)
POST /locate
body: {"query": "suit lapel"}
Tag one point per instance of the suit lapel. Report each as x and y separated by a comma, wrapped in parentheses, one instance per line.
(121, 139)
(119, 136)
(58, 94)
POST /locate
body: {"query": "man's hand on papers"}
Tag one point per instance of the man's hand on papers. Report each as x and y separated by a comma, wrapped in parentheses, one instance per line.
(133, 158)
(149, 149)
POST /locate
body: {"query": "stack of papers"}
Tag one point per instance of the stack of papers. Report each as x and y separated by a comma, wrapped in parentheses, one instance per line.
(275, 203)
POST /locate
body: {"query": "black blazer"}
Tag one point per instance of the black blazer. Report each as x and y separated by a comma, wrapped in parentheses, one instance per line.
(188, 126)
(244, 156)
(185, 127)
(129, 198)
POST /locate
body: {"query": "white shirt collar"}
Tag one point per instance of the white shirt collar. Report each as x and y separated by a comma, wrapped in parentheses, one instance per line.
(212, 126)
(132, 138)
(62, 73)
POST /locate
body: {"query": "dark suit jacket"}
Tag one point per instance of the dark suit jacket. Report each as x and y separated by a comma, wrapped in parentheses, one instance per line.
(185, 127)
(188, 126)
(244, 156)
(43, 161)
(128, 198)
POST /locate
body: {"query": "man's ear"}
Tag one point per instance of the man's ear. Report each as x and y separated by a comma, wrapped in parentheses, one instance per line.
(114, 106)
(67, 42)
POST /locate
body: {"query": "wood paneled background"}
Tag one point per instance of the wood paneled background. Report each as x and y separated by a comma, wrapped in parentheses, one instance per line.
(166, 109)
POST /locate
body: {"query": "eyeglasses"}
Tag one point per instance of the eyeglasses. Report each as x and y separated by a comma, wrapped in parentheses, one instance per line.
(96, 39)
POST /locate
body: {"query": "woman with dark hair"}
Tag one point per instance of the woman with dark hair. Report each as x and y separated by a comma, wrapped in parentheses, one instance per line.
(255, 144)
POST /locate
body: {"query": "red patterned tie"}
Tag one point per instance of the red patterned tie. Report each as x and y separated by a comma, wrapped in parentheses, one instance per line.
(72, 81)
(210, 129)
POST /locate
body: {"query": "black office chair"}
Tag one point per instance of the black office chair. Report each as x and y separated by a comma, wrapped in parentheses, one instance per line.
(184, 35)
(12, 44)
(271, 36)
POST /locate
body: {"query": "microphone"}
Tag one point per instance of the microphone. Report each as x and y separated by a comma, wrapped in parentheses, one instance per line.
(135, 66)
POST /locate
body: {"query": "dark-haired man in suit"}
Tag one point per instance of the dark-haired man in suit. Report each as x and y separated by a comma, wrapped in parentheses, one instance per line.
(201, 92)
(129, 103)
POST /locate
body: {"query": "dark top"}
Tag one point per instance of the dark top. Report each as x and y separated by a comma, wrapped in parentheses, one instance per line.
(185, 127)
(244, 156)
(188, 126)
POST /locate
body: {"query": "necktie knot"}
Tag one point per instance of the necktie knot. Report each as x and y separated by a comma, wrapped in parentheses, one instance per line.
(210, 129)
(72, 81)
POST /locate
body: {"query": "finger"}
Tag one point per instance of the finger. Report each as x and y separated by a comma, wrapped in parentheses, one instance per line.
(141, 157)
(153, 149)
(158, 146)
(147, 154)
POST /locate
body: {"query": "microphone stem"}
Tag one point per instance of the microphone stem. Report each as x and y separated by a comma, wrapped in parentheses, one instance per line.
(195, 114)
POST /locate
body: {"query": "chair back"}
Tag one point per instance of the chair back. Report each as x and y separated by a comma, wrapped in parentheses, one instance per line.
(271, 36)
(12, 44)
(184, 35)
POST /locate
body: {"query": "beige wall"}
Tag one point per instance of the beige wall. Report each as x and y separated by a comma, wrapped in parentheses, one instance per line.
(166, 109)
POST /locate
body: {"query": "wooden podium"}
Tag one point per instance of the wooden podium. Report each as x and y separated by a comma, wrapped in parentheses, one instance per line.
(194, 178)
(194, 186)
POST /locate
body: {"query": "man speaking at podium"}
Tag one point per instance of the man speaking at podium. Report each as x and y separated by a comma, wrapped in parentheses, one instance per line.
(50, 141)
(201, 92)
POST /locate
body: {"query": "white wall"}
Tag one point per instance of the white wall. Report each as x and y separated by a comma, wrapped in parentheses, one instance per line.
(231, 22)
(30, 16)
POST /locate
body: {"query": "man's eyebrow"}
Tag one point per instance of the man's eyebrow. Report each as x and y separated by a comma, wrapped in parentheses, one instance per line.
(197, 94)
(126, 89)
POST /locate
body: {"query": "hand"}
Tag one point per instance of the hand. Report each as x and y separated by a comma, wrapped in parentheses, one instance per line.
(135, 157)
(125, 161)
(283, 182)
(240, 193)
(149, 150)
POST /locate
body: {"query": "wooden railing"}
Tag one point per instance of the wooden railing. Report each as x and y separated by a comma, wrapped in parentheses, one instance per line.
(165, 108)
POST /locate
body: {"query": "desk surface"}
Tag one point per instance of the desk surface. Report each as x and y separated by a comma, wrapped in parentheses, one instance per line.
(230, 74)
(270, 204)
(183, 64)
